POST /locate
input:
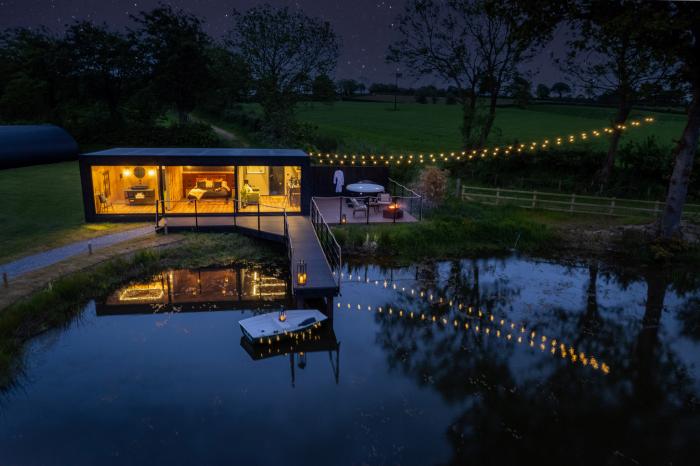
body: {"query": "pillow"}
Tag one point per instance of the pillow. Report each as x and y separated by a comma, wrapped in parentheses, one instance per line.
(210, 184)
(217, 184)
(202, 184)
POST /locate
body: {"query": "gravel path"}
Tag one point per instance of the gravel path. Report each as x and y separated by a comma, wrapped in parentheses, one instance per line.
(52, 256)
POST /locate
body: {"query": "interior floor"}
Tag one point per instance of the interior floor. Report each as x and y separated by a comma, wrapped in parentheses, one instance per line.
(204, 206)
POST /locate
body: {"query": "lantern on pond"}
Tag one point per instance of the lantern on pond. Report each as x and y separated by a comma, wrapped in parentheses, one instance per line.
(343, 219)
(301, 273)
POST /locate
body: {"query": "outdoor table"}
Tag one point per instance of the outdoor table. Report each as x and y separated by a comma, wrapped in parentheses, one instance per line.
(364, 187)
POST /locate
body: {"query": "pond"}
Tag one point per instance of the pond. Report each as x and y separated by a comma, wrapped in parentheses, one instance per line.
(489, 361)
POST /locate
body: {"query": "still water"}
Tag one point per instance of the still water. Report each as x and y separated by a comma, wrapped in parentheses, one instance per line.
(494, 361)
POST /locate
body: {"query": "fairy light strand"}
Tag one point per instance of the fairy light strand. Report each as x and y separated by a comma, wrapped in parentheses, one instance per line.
(418, 158)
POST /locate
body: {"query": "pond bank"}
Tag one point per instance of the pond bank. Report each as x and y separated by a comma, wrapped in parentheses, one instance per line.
(51, 297)
(462, 229)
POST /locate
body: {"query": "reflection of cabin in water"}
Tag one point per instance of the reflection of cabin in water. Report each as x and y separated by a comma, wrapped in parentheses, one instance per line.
(201, 289)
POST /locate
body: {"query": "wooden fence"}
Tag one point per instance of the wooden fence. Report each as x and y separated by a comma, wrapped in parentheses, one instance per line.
(572, 203)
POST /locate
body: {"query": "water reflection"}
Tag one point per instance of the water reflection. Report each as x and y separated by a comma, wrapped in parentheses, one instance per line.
(190, 290)
(493, 361)
(645, 412)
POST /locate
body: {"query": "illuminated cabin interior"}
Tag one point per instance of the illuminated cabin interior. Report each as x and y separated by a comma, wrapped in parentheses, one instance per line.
(230, 288)
(124, 184)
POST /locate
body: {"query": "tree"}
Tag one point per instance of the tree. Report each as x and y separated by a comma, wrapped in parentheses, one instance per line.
(174, 45)
(104, 65)
(681, 34)
(542, 92)
(435, 39)
(520, 90)
(561, 88)
(323, 89)
(619, 55)
(472, 44)
(229, 80)
(32, 81)
(348, 87)
(285, 51)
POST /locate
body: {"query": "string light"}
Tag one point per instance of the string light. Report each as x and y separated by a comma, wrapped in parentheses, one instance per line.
(555, 347)
(509, 326)
(420, 158)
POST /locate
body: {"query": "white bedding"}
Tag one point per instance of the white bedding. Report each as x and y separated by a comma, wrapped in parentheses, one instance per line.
(197, 193)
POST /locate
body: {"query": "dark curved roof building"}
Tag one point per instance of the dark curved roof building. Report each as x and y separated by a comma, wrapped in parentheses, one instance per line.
(34, 145)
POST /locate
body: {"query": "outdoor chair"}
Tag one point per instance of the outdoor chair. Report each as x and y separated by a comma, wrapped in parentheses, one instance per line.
(357, 207)
(384, 199)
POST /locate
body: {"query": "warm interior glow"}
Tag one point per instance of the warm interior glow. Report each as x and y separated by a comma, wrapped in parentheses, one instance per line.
(151, 172)
(126, 172)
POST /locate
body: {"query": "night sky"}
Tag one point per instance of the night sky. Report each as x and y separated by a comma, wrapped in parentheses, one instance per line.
(364, 26)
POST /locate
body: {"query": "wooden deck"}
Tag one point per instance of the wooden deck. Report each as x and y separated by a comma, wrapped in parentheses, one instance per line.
(302, 238)
(332, 209)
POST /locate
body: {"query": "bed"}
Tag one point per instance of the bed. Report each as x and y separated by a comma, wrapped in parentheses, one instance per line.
(209, 189)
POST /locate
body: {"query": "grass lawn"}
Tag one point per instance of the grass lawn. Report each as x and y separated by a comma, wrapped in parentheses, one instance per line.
(42, 208)
(435, 127)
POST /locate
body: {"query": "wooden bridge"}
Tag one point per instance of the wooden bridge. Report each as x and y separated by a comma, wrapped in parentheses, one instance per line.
(308, 239)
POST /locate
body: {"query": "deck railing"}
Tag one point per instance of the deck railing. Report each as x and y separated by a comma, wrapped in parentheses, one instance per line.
(571, 202)
(329, 244)
(413, 200)
(199, 210)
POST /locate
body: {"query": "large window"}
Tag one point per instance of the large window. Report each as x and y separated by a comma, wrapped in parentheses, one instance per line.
(129, 189)
(213, 189)
(125, 189)
(270, 188)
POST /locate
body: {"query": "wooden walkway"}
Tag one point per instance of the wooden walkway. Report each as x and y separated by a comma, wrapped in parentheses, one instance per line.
(303, 243)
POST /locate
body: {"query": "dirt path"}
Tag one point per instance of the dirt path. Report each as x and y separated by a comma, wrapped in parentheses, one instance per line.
(224, 134)
(32, 281)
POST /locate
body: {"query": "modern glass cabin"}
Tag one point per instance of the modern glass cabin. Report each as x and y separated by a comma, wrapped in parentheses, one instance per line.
(134, 184)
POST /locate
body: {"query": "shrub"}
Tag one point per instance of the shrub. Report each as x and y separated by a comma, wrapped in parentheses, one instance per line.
(433, 184)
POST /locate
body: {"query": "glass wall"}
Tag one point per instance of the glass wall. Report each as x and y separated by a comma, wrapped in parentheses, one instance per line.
(125, 189)
(212, 187)
(129, 189)
(273, 189)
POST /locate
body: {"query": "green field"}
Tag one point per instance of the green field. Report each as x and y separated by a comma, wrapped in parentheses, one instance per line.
(42, 207)
(416, 127)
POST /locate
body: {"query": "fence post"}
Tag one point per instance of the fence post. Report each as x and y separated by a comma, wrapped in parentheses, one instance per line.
(196, 216)
(534, 199)
(340, 209)
(612, 206)
(156, 215)
(458, 191)
(90, 249)
(498, 195)
(420, 209)
(559, 184)
(573, 201)
(5, 281)
(258, 204)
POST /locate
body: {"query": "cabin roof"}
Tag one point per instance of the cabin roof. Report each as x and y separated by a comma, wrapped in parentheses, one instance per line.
(196, 152)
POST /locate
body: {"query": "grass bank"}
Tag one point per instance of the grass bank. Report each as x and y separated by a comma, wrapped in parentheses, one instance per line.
(460, 229)
(456, 229)
(42, 208)
(60, 302)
